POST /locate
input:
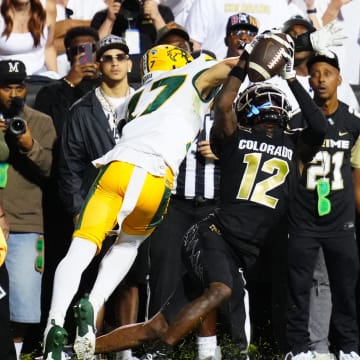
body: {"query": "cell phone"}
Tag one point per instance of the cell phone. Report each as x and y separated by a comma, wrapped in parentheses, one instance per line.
(87, 49)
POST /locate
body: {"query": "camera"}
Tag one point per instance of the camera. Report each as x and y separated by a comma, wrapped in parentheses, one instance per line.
(16, 125)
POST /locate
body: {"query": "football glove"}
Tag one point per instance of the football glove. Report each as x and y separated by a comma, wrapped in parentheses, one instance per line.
(288, 71)
(330, 35)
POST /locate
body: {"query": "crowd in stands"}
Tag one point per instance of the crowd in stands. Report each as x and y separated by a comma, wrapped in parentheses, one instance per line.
(62, 107)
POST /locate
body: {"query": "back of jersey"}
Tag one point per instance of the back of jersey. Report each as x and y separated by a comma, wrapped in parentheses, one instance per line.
(164, 116)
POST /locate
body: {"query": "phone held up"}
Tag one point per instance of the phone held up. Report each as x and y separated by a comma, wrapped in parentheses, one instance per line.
(87, 49)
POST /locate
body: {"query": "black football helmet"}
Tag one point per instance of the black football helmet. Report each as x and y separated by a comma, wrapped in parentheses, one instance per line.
(262, 103)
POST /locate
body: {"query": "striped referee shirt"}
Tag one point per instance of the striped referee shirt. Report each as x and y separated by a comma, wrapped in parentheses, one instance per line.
(198, 176)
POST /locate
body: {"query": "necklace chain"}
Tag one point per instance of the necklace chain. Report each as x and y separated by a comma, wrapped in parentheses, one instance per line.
(106, 104)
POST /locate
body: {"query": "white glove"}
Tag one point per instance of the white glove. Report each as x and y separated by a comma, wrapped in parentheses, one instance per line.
(248, 48)
(330, 35)
(288, 71)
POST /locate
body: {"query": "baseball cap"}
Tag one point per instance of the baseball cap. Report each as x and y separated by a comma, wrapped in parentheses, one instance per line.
(321, 57)
(297, 20)
(172, 28)
(241, 20)
(12, 71)
(111, 42)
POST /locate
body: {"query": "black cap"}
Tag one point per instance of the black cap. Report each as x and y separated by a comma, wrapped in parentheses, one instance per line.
(297, 20)
(321, 57)
(241, 21)
(12, 71)
(111, 42)
(171, 28)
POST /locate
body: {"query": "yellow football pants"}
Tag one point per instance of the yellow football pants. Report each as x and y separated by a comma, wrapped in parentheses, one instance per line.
(125, 194)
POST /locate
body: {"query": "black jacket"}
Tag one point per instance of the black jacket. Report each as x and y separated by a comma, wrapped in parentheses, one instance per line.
(86, 136)
(56, 98)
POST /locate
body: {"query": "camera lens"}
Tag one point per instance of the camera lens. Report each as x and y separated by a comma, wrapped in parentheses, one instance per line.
(17, 126)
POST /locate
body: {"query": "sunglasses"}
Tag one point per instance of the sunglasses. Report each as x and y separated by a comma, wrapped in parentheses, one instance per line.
(234, 33)
(323, 190)
(79, 49)
(39, 261)
(111, 58)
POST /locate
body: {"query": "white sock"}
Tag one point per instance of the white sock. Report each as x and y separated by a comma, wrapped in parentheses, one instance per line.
(124, 355)
(206, 346)
(18, 347)
(67, 278)
(113, 268)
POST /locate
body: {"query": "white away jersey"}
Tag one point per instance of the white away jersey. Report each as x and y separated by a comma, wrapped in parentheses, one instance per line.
(163, 118)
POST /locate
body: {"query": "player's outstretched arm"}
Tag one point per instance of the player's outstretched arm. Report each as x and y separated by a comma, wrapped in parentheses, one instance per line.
(225, 121)
(313, 136)
(214, 76)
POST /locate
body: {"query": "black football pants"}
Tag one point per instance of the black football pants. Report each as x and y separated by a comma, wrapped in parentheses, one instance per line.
(341, 257)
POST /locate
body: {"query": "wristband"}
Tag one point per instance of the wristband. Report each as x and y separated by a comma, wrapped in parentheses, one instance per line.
(238, 72)
(311, 11)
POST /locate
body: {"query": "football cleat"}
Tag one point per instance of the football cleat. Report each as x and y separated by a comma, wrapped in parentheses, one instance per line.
(54, 343)
(84, 344)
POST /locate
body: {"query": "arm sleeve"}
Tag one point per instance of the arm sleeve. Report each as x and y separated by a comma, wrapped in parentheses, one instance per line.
(312, 114)
(166, 13)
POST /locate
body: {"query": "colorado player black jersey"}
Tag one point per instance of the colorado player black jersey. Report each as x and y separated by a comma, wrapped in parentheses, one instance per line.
(332, 162)
(256, 173)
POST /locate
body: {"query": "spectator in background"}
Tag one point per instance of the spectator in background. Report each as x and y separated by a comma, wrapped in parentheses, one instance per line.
(27, 34)
(207, 20)
(97, 112)
(322, 215)
(138, 22)
(55, 99)
(70, 14)
(320, 303)
(241, 29)
(174, 34)
(28, 168)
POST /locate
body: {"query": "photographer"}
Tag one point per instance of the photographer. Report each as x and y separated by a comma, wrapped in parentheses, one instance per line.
(23, 177)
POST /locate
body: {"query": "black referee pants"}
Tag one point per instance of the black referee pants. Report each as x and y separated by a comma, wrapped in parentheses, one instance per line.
(342, 262)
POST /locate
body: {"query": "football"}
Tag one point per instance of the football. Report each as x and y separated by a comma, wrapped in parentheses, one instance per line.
(269, 56)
